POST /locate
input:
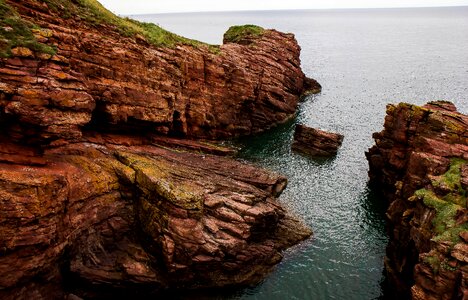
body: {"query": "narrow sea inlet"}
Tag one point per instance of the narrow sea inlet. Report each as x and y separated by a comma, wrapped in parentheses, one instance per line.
(364, 59)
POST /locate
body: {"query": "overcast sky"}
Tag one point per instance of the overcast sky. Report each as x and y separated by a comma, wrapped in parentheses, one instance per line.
(126, 7)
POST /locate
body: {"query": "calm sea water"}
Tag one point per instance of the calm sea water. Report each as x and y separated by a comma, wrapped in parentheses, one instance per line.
(364, 59)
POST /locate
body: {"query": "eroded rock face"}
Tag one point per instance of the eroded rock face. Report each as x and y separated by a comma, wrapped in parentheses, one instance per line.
(116, 83)
(93, 214)
(419, 162)
(122, 213)
(316, 142)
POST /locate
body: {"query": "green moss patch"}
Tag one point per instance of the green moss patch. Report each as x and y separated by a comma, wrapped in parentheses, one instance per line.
(433, 260)
(16, 32)
(237, 33)
(447, 207)
(451, 179)
(159, 180)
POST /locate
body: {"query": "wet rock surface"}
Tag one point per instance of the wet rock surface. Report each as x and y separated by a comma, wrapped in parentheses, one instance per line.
(316, 142)
(419, 163)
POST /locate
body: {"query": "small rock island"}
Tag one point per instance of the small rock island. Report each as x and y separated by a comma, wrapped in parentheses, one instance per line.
(315, 142)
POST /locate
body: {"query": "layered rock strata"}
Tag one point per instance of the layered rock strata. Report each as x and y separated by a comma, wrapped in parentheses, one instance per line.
(316, 142)
(124, 213)
(420, 164)
(92, 201)
(99, 77)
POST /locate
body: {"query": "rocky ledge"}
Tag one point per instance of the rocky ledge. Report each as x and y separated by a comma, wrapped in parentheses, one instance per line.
(99, 195)
(120, 213)
(420, 163)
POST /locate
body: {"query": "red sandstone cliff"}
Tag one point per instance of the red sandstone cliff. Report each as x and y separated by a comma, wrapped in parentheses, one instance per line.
(124, 214)
(420, 163)
(94, 213)
(102, 78)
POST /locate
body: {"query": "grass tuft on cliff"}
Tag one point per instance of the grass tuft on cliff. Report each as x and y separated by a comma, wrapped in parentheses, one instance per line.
(16, 32)
(447, 206)
(237, 33)
(95, 14)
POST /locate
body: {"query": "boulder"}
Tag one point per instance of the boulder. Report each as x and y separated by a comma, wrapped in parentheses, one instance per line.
(316, 142)
(311, 86)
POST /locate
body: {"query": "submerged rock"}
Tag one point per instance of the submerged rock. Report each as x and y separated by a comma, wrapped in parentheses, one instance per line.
(315, 142)
(419, 163)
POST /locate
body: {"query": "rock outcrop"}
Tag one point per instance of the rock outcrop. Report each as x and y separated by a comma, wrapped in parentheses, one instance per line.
(311, 86)
(100, 77)
(95, 197)
(420, 164)
(122, 212)
(316, 142)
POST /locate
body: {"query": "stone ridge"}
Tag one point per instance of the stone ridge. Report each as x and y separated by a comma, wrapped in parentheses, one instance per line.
(101, 80)
(118, 214)
(420, 164)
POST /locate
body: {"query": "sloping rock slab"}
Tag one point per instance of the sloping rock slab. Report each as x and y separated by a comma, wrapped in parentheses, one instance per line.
(121, 214)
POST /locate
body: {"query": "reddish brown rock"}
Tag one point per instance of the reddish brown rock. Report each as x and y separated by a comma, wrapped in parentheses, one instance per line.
(105, 80)
(95, 200)
(124, 214)
(419, 164)
(311, 86)
(315, 142)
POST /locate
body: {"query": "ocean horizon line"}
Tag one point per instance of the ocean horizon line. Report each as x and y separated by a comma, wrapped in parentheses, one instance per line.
(301, 9)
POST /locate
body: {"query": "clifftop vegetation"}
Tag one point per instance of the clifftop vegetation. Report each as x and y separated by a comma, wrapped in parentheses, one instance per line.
(15, 31)
(237, 33)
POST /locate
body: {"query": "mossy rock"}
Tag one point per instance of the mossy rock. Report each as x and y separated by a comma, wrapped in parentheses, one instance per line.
(236, 34)
(447, 206)
(16, 33)
(155, 179)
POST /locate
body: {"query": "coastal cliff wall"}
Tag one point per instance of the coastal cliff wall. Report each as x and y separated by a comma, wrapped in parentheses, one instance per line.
(420, 164)
(99, 77)
(95, 199)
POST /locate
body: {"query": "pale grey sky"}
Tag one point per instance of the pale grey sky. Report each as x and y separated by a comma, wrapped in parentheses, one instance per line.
(125, 7)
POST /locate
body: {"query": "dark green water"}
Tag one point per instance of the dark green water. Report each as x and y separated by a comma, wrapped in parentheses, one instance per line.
(364, 59)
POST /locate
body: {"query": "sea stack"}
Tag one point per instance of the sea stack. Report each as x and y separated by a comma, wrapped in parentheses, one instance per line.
(420, 163)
